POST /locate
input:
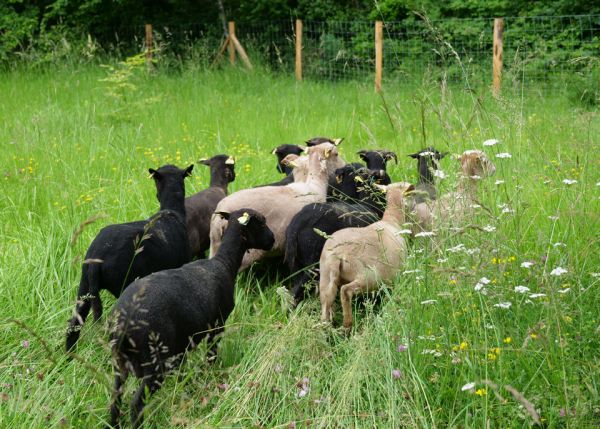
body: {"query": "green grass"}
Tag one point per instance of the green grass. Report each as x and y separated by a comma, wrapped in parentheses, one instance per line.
(70, 152)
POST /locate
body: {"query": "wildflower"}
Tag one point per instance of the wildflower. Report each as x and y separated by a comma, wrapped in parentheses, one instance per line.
(481, 392)
(569, 181)
(396, 373)
(507, 340)
(278, 368)
(533, 335)
(26, 344)
(526, 264)
(558, 271)
(504, 305)
(559, 244)
(440, 174)
(442, 260)
(537, 295)
(491, 142)
(499, 182)
(292, 425)
(553, 217)
(468, 386)
(402, 348)
(429, 302)
(456, 249)
(453, 281)
(411, 271)
(404, 231)
(521, 289)
(503, 155)
(463, 345)
(303, 385)
(564, 290)
(425, 234)
(223, 386)
(489, 228)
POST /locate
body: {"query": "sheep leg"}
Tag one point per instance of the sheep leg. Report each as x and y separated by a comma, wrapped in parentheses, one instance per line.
(328, 287)
(213, 343)
(346, 293)
(82, 309)
(152, 383)
(96, 306)
(301, 286)
(115, 407)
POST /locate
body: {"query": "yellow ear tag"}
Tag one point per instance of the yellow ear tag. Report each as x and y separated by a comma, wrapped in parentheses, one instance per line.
(338, 179)
(337, 141)
(274, 151)
(359, 179)
(244, 219)
(230, 160)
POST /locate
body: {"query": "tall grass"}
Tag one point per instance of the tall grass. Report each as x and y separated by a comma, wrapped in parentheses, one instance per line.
(70, 152)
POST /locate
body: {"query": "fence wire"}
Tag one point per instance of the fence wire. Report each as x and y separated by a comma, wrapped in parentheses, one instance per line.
(535, 48)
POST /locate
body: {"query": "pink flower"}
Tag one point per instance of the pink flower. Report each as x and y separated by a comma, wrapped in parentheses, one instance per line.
(26, 344)
(402, 348)
(396, 373)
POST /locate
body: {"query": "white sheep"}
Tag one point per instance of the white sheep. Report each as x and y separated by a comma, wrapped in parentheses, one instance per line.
(357, 260)
(452, 208)
(279, 204)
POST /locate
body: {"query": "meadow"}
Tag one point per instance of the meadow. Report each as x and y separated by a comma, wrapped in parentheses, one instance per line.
(481, 329)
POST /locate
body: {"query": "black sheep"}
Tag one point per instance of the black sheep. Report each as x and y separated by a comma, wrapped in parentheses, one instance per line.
(199, 207)
(123, 252)
(160, 317)
(377, 159)
(308, 230)
(281, 152)
(428, 160)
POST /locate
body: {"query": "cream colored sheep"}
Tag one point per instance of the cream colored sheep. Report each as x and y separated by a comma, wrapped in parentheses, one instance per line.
(279, 203)
(299, 165)
(358, 259)
(454, 207)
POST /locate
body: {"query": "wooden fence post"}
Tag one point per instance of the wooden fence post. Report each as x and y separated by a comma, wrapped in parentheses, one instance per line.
(378, 54)
(149, 46)
(231, 47)
(298, 49)
(497, 72)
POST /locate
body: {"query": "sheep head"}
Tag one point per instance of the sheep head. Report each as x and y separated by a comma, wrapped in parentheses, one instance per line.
(476, 164)
(324, 158)
(284, 150)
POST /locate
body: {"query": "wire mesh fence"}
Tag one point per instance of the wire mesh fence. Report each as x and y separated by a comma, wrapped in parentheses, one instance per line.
(535, 48)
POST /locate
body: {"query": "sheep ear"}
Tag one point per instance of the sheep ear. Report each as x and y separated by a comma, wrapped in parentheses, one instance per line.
(414, 155)
(230, 161)
(362, 154)
(188, 171)
(204, 161)
(387, 155)
(274, 151)
(224, 215)
(442, 155)
(154, 174)
(409, 189)
(244, 219)
(338, 141)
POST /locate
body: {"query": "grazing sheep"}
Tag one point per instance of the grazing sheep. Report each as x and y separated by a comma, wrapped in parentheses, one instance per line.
(356, 260)
(455, 206)
(307, 232)
(428, 161)
(279, 204)
(281, 152)
(200, 206)
(121, 253)
(377, 159)
(160, 317)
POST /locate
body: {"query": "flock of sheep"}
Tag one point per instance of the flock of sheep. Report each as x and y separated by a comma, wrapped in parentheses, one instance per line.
(340, 225)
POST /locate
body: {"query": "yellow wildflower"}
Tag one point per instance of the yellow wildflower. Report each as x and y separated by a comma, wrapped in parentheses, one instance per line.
(507, 340)
(481, 392)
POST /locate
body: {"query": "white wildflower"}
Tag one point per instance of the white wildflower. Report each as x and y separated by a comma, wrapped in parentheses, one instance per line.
(595, 275)
(425, 234)
(468, 386)
(558, 271)
(569, 181)
(499, 182)
(442, 260)
(503, 155)
(431, 352)
(411, 271)
(526, 264)
(456, 249)
(491, 142)
(553, 217)
(475, 177)
(475, 206)
(429, 302)
(559, 244)
(439, 174)
(564, 290)
(489, 228)
(472, 251)
(507, 210)
(521, 289)
(404, 232)
(537, 295)
(485, 281)
(504, 305)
